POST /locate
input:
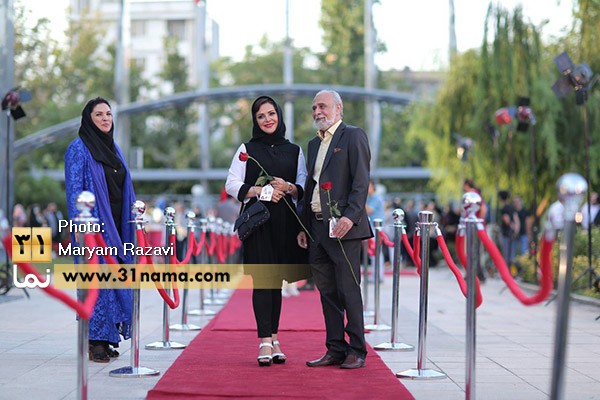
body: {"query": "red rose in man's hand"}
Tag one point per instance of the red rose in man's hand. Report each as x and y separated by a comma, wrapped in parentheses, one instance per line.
(244, 157)
(326, 186)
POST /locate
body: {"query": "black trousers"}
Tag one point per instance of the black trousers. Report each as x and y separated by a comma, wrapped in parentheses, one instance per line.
(340, 293)
(267, 310)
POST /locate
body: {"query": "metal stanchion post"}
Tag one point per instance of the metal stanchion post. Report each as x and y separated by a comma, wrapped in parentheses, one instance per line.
(471, 204)
(365, 281)
(425, 223)
(134, 370)
(184, 326)
(85, 202)
(166, 344)
(202, 311)
(216, 226)
(375, 326)
(571, 191)
(398, 215)
(226, 230)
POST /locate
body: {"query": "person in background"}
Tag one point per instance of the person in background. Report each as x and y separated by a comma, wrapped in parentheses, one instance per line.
(509, 226)
(470, 186)
(19, 216)
(36, 217)
(94, 162)
(595, 207)
(228, 208)
(53, 215)
(522, 237)
(375, 210)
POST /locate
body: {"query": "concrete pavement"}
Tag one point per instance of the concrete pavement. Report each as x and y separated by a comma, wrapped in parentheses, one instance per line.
(514, 345)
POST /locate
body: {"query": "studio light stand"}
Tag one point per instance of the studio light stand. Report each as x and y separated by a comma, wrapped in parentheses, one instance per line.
(11, 104)
(525, 118)
(579, 78)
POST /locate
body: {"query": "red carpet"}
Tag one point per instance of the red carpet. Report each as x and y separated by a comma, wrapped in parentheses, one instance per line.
(221, 361)
(301, 313)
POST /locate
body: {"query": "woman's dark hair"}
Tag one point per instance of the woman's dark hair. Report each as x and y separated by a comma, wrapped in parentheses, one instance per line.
(260, 101)
(470, 183)
(89, 107)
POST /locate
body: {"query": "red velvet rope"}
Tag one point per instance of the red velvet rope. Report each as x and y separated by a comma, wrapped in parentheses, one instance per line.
(417, 249)
(371, 247)
(457, 274)
(199, 245)
(210, 247)
(383, 238)
(545, 264)
(219, 249)
(234, 244)
(408, 248)
(190, 249)
(85, 309)
(172, 303)
(459, 241)
(386, 240)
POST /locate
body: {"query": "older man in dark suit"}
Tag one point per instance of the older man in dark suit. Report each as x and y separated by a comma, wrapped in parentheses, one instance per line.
(338, 160)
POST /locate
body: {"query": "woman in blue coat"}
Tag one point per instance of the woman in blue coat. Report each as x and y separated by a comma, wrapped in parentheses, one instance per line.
(94, 162)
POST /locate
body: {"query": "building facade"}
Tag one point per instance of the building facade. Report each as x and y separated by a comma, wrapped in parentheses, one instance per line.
(151, 21)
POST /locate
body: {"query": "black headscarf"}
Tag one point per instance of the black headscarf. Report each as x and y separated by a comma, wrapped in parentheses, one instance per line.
(102, 148)
(277, 137)
(100, 144)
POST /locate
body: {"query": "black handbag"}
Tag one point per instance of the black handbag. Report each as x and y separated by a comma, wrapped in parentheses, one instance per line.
(251, 218)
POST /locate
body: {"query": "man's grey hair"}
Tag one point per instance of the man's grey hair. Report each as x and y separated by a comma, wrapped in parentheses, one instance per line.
(337, 99)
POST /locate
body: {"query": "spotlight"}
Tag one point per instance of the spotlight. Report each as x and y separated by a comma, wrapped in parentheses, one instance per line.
(525, 116)
(505, 115)
(521, 112)
(12, 102)
(577, 77)
(463, 146)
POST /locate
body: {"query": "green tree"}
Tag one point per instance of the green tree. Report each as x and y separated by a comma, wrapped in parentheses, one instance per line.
(169, 141)
(512, 63)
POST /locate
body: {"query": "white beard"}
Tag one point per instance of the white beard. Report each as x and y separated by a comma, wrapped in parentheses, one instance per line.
(323, 124)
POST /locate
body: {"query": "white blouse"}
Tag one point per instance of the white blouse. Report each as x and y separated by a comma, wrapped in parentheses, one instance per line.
(237, 173)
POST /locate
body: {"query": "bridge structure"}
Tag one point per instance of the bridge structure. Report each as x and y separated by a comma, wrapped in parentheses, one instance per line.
(293, 91)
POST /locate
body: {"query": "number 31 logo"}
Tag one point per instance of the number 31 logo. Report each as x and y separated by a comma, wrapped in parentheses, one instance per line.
(32, 245)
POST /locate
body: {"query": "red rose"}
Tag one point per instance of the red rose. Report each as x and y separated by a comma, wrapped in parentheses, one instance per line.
(243, 157)
(326, 186)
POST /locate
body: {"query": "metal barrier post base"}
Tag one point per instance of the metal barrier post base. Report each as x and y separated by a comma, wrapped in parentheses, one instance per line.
(202, 313)
(184, 327)
(165, 346)
(421, 374)
(394, 347)
(378, 327)
(132, 372)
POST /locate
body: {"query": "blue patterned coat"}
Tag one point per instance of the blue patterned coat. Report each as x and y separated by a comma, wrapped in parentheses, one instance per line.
(112, 313)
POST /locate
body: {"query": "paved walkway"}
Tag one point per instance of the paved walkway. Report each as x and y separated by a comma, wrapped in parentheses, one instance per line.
(514, 345)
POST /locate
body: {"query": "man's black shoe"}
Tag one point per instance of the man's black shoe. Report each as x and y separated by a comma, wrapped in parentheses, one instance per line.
(325, 361)
(353, 361)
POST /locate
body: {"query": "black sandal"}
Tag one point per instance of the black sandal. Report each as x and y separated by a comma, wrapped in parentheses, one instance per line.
(97, 353)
